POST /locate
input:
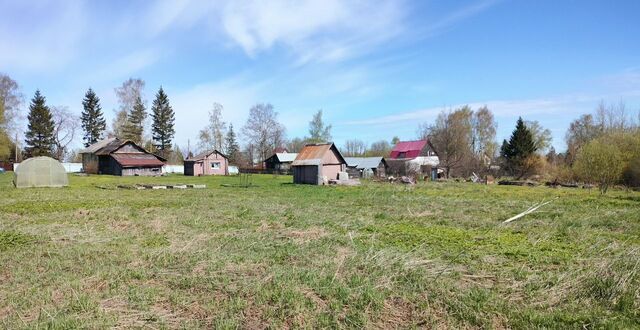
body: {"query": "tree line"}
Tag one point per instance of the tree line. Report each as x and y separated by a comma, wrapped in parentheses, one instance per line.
(603, 147)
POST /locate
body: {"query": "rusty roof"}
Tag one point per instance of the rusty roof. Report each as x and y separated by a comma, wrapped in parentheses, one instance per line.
(137, 160)
(312, 154)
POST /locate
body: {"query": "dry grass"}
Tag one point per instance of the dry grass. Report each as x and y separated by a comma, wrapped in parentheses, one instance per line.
(286, 256)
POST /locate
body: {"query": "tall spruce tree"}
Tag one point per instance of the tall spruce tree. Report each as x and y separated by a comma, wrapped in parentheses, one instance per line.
(520, 147)
(163, 122)
(134, 128)
(39, 137)
(232, 147)
(93, 122)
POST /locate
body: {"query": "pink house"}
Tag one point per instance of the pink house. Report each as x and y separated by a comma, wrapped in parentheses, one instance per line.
(207, 163)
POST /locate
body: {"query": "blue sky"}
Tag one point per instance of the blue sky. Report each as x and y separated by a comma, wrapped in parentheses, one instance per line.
(376, 68)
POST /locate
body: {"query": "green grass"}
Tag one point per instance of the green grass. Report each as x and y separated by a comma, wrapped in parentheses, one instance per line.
(282, 255)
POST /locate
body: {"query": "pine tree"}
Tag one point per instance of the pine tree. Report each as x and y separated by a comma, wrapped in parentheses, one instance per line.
(520, 147)
(232, 147)
(163, 122)
(134, 127)
(93, 122)
(40, 131)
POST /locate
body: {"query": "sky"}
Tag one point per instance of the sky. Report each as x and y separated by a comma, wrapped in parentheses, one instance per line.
(377, 69)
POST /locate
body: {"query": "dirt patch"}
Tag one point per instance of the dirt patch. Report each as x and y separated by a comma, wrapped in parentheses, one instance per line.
(245, 269)
(304, 236)
(253, 318)
(93, 285)
(5, 312)
(313, 296)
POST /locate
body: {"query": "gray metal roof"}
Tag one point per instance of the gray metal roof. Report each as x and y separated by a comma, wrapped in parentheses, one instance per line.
(97, 146)
(363, 162)
(286, 157)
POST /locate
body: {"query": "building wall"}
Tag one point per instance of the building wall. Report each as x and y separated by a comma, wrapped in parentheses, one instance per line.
(189, 168)
(307, 174)
(331, 170)
(141, 171)
(204, 167)
(90, 163)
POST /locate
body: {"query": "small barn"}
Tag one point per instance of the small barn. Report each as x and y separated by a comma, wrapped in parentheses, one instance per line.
(280, 161)
(362, 167)
(40, 172)
(207, 163)
(318, 163)
(120, 157)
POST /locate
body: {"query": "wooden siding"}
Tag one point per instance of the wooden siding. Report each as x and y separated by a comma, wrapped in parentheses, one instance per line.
(307, 174)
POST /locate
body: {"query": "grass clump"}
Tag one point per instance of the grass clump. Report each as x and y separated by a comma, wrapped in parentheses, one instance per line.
(13, 239)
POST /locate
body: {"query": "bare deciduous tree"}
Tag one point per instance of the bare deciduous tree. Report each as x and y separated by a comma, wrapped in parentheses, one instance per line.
(541, 136)
(263, 131)
(212, 136)
(128, 93)
(66, 125)
(484, 134)
(354, 148)
(451, 136)
(380, 148)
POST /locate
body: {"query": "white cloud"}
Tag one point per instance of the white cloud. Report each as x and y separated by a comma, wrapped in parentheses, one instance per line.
(313, 30)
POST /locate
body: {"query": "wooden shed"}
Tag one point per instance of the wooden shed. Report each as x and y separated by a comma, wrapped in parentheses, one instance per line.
(120, 157)
(359, 167)
(280, 162)
(207, 163)
(318, 163)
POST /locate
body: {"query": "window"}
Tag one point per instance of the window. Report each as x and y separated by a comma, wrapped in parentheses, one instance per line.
(402, 155)
(215, 165)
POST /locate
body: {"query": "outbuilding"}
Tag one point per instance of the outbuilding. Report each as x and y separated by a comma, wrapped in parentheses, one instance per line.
(280, 162)
(120, 157)
(363, 167)
(40, 172)
(207, 163)
(317, 164)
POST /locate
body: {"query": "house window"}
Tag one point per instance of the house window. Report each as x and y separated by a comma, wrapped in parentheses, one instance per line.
(215, 165)
(402, 155)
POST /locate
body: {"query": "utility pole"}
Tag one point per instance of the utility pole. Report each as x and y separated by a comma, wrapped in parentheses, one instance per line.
(16, 156)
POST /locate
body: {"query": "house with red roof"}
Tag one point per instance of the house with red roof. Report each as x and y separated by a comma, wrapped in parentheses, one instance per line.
(412, 149)
(414, 157)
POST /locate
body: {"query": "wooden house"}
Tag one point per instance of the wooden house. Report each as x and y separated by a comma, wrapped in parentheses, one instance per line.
(362, 167)
(207, 163)
(318, 163)
(120, 157)
(280, 162)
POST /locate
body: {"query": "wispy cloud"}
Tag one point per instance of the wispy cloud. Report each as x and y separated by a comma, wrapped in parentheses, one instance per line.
(449, 20)
(565, 104)
(44, 35)
(312, 30)
(127, 65)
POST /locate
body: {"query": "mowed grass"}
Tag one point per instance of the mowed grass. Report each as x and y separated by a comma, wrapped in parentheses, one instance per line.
(279, 255)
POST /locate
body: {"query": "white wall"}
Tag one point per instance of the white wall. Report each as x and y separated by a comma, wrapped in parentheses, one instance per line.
(69, 167)
(173, 169)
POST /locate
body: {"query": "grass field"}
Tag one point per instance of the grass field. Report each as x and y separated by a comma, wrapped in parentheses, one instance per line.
(286, 256)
